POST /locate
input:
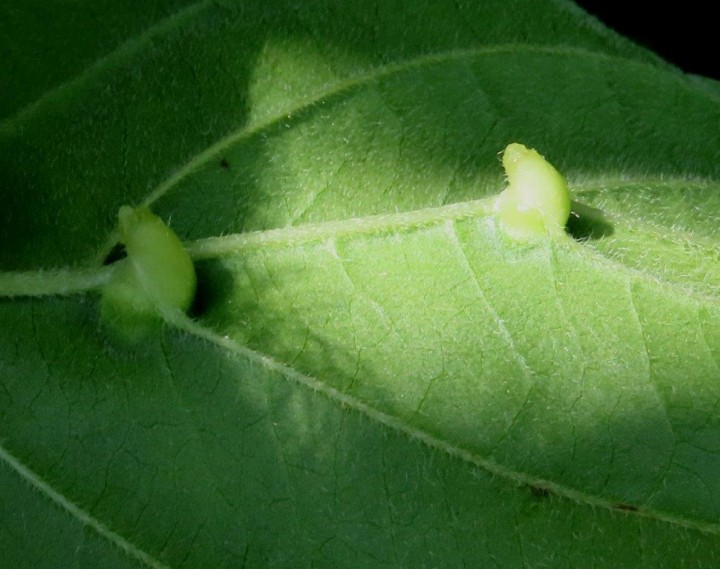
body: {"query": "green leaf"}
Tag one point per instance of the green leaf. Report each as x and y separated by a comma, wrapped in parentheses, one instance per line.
(373, 374)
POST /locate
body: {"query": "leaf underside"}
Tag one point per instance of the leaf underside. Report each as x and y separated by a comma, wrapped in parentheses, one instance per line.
(373, 374)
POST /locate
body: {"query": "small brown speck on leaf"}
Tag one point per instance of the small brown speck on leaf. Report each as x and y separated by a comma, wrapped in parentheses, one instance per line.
(625, 507)
(539, 492)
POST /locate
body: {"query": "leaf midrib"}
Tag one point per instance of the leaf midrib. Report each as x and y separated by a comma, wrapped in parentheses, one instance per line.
(43, 282)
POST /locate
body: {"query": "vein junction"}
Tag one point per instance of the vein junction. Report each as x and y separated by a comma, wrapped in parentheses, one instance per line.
(72, 281)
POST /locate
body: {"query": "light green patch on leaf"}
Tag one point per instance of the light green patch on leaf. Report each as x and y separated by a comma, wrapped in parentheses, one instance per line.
(537, 200)
(156, 277)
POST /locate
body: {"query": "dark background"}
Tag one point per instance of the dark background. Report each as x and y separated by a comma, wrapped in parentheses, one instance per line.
(683, 33)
